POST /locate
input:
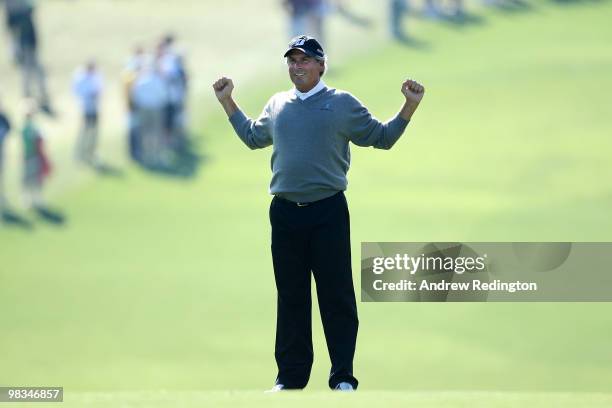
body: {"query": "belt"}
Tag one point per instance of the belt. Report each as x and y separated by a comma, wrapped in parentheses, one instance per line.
(305, 204)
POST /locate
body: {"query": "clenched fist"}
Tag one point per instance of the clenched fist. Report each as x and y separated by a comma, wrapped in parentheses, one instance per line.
(413, 91)
(223, 88)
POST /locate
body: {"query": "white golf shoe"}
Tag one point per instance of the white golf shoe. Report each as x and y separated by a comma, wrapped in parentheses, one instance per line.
(345, 387)
(276, 388)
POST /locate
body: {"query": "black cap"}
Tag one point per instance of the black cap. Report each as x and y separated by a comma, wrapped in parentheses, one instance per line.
(307, 45)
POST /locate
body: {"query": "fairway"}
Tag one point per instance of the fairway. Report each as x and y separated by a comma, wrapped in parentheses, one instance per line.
(303, 399)
(159, 291)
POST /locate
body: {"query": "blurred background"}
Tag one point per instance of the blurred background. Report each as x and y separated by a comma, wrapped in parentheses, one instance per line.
(134, 243)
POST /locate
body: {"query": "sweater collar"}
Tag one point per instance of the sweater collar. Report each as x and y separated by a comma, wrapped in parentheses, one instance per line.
(305, 95)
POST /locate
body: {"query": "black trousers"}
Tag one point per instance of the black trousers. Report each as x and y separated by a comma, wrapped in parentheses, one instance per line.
(305, 238)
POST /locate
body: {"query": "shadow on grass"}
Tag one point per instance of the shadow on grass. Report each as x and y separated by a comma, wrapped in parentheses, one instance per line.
(50, 215)
(413, 42)
(354, 18)
(11, 218)
(183, 162)
(462, 20)
(577, 2)
(108, 170)
(512, 6)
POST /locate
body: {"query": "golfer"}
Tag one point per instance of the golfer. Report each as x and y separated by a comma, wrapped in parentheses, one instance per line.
(310, 128)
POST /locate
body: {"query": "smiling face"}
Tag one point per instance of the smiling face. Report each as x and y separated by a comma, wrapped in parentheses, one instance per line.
(304, 71)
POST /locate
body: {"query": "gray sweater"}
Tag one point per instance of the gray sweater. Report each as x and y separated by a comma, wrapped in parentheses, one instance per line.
(311, 138)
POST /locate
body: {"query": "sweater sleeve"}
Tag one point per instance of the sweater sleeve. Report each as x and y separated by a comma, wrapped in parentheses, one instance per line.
(256, 134)
(364, 130)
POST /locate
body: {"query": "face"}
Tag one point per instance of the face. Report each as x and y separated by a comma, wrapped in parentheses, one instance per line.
(304, 70)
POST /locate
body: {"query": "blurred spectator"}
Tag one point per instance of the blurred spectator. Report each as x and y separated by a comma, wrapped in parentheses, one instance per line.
(149, 96)
(132, 70)
(457, 8)
(156, 89)
(5, 128)
(16, 11)
(25, 44)
(36, 165)
(306, 17)
(87, 86)
(431, 9)
(172, 68)
(398, 8)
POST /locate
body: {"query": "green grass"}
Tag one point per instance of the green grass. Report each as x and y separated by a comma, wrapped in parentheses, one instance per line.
(391, 399)
(163, 284)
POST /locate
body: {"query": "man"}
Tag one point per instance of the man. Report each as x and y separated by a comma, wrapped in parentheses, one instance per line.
(310, 128)
(16, 12)
(172, 68)
(87, 86)
(398, 8)
(149, 95)
(20, 19)
(129, 76)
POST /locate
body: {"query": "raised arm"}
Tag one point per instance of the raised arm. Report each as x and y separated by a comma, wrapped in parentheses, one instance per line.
(364, 130)
(223, 91)
(413, 92)
(256, 134)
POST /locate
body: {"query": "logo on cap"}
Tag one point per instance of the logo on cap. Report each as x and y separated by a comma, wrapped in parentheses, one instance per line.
(300, 41)
(308, 45)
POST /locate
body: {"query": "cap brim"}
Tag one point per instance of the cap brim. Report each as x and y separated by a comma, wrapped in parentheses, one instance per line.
(309, 53)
